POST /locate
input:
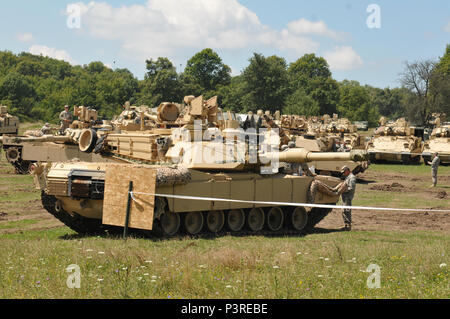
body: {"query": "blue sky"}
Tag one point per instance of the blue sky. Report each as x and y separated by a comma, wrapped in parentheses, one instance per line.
(128, 32)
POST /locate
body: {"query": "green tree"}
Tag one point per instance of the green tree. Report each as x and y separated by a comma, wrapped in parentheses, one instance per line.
(312, 75)
(266, 83)
(161, 83)
(206, 69)
(417, 77)
(440, 84)
(355, 103)
(301, 103)
(18, 93)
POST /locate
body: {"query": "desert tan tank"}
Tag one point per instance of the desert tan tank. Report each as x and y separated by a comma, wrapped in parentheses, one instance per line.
(344, 133)
(9, 124)
(237, 183)
(311, 136)
(439, 142)
(48, 145)
(396, 142)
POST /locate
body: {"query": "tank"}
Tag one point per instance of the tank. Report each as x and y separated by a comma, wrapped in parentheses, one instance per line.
(9, 124)
(238, 181)
(439, 142)
(344, 134)
(48, 144)
(396, 142)
(312, 135)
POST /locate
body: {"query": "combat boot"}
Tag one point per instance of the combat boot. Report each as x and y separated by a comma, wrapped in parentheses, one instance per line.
(348, 227)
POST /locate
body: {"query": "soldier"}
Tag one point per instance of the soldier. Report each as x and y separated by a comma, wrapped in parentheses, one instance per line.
(46, 129)
(434, 168)
(66, 118)
(348, 192)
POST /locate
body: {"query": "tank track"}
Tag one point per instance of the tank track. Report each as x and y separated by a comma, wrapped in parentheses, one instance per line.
(314, 217)
(22, 167)
(79, 224)
(86, 226)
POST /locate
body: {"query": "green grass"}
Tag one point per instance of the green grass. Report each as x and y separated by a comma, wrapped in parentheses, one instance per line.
(329, 265)
(409, 169)
(396, 199)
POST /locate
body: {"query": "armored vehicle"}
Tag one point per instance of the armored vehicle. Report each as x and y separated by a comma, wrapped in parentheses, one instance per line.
(9, 124)
(45, 145)
(313, 136)
(361, 125)
(187, 180)
(439, 142)
(396, 142)
(344, 134)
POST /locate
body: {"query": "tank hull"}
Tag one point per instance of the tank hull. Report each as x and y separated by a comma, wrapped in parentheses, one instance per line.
(403, 149)
(59, 186)
(440, 145)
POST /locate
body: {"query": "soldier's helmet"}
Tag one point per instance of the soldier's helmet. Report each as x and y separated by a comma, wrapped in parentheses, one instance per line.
(284, 147)
(291, 144)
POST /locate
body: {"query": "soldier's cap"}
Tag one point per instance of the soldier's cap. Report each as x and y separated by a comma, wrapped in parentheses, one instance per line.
(344, 168)
(66, 106)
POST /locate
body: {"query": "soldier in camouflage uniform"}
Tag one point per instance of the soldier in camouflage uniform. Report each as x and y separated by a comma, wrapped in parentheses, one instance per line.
(66, 118)
(347, 195)
(434, 168)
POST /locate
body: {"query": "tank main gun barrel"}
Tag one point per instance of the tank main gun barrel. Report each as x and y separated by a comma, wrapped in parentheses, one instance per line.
(44, 138)
(301, 155)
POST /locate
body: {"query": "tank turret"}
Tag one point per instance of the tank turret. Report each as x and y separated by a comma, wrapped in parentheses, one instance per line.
(9, 124)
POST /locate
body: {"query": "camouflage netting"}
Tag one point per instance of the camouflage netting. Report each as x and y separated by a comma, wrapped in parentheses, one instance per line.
(167, 176)
(318, 186)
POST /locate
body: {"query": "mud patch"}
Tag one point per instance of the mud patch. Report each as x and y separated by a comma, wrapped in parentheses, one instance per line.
(3, 215)
(441, 194)
(393, 187)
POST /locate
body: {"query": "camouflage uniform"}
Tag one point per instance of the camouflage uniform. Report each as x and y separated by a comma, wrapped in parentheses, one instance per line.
(347, 197)
(65, 115)
(46, 129)
(434, 168)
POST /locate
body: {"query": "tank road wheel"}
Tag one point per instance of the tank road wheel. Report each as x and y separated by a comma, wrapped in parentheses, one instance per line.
(275, 218)
(255, 219)
(235, 219)
(170, 223)
(193, 222)
(215, 220)
(298, 218)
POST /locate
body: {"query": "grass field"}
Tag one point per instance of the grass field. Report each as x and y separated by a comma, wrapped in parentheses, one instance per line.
(35, 251)
(320, 265)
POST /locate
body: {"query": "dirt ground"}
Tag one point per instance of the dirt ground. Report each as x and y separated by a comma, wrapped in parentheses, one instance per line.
(389, 184)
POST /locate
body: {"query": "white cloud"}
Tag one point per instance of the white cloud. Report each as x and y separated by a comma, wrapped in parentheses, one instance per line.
(177, 28)
(343, 58)
(25, 37)
(52, 53)
(306, 27)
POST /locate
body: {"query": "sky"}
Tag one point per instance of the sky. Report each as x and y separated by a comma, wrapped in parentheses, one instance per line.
(366, 41)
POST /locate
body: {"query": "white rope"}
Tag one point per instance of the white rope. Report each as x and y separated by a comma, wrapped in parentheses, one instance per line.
(285, 203)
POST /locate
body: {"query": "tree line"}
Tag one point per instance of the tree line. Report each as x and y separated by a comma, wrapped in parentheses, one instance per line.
(36, 87)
